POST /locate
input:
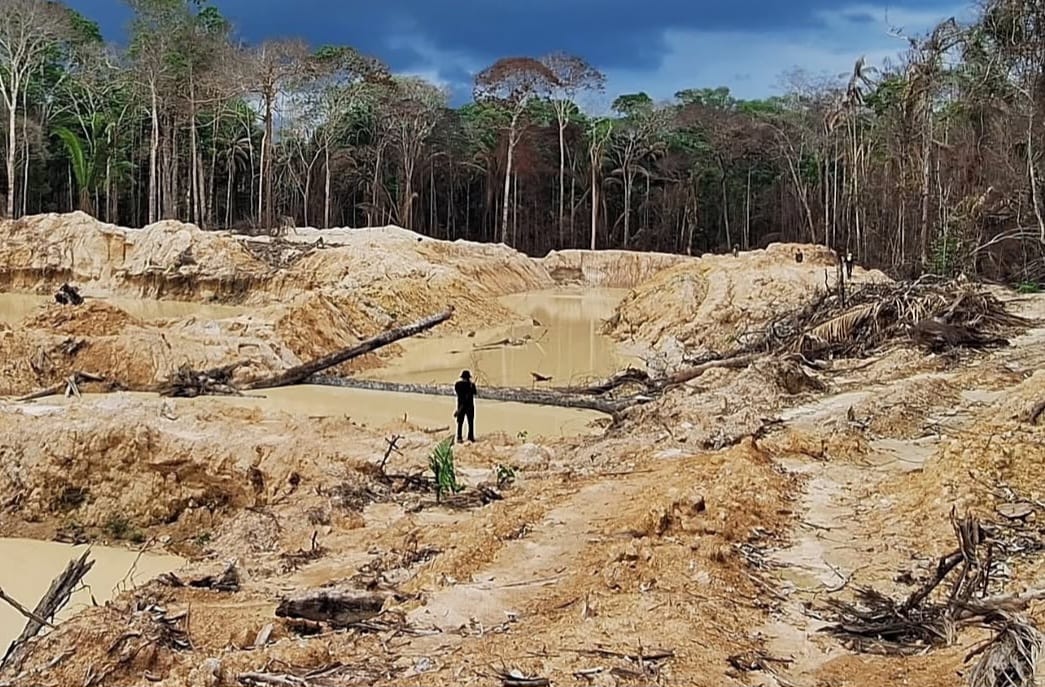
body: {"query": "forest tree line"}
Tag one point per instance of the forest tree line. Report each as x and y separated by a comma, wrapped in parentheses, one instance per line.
(927, 164)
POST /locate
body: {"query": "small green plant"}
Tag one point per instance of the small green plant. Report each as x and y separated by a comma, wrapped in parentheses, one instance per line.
(505, 476)
(946, 255)
(120, 528)
(1028, 287)
(201, 539)
(523, 435)
(441, 461)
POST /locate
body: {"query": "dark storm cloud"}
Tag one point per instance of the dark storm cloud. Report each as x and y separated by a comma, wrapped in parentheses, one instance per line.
(448, 38)
(611, 33)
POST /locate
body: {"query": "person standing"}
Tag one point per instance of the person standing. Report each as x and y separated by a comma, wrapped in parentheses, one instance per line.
(466, 392)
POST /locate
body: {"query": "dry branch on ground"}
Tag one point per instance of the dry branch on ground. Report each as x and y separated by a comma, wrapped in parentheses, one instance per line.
(877, 623)
(875, 314)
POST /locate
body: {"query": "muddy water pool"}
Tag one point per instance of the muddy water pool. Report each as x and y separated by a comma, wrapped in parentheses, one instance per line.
(15, 307)
(378, 408)
(558, 335)
(30, 565)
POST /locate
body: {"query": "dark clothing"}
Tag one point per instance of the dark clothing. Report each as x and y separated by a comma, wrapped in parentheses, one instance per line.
(466, 391)
(469, 413)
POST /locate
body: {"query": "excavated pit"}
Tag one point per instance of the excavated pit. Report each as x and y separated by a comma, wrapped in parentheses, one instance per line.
(675, 536)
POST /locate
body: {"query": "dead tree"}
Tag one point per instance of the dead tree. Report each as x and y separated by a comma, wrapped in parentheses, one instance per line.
(301, 373)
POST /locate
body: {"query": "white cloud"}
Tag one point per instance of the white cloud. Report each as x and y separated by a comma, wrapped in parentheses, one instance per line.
(433, 63)
(753, 63)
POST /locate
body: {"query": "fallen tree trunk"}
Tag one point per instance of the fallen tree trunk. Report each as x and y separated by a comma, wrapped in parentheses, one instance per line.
(53, 601)
(652, 385)
(69, 384)
(300, 373)
(506, 394)
(628, 376)
(338, 608)
(691, 373)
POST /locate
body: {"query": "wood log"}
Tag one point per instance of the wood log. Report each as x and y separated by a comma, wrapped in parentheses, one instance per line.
(73, 380)
(506, 394)
(338, 608)
(629, 376)
(54, 600)
(300, 373)
(691, 373)
(29, 615)
(271, 679)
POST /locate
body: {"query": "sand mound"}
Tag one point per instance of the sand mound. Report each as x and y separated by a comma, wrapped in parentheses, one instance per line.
(391, 275)
(102, 340)
(707, 304)
(149, 460)
(608, 268)
(93, 318)
(315, 324)
(997, 456)
(167, 259)
(363, 257)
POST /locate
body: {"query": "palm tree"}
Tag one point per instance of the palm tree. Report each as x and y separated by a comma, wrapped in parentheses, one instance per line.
(87, 159)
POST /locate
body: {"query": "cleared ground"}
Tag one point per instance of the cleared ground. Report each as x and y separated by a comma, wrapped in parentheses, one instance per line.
(624, 554)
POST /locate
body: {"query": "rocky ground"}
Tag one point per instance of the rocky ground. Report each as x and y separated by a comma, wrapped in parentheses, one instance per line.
(699, 540)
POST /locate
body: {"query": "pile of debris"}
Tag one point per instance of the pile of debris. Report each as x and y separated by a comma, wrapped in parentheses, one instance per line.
(877, 623)
(936, 314)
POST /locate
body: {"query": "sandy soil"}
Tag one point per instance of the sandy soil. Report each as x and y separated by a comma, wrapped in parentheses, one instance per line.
(673, 536)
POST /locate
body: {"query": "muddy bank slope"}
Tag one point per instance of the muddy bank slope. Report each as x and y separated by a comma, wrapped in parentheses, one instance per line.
(706, 304)
(165, 260)
(301, 299)
(615, 269)
(102, 339)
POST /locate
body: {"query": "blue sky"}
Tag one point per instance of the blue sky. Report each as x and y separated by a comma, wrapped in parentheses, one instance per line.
(659, 46)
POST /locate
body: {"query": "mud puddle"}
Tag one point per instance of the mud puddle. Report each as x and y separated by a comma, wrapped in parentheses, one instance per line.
(380, 408)
(15, 307)
(31, 565)
(558, 335)
(375, 409)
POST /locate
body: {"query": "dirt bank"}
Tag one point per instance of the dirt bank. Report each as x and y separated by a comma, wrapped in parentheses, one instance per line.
(616, 269)
(165, 260)
(710, 303)
(101, 339)
(697, 540)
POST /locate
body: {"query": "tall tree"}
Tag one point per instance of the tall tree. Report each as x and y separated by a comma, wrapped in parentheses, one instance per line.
(157, 32)
(599, 133)
(274, 68)
(29, 29)
(340, 83)
(513, 82)
(573, 76)
(412, 109)
(641, 123)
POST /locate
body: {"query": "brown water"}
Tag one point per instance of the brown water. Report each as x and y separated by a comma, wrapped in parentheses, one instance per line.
(29, 566)
(558, 335)
(15, 307)
(379, 408)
